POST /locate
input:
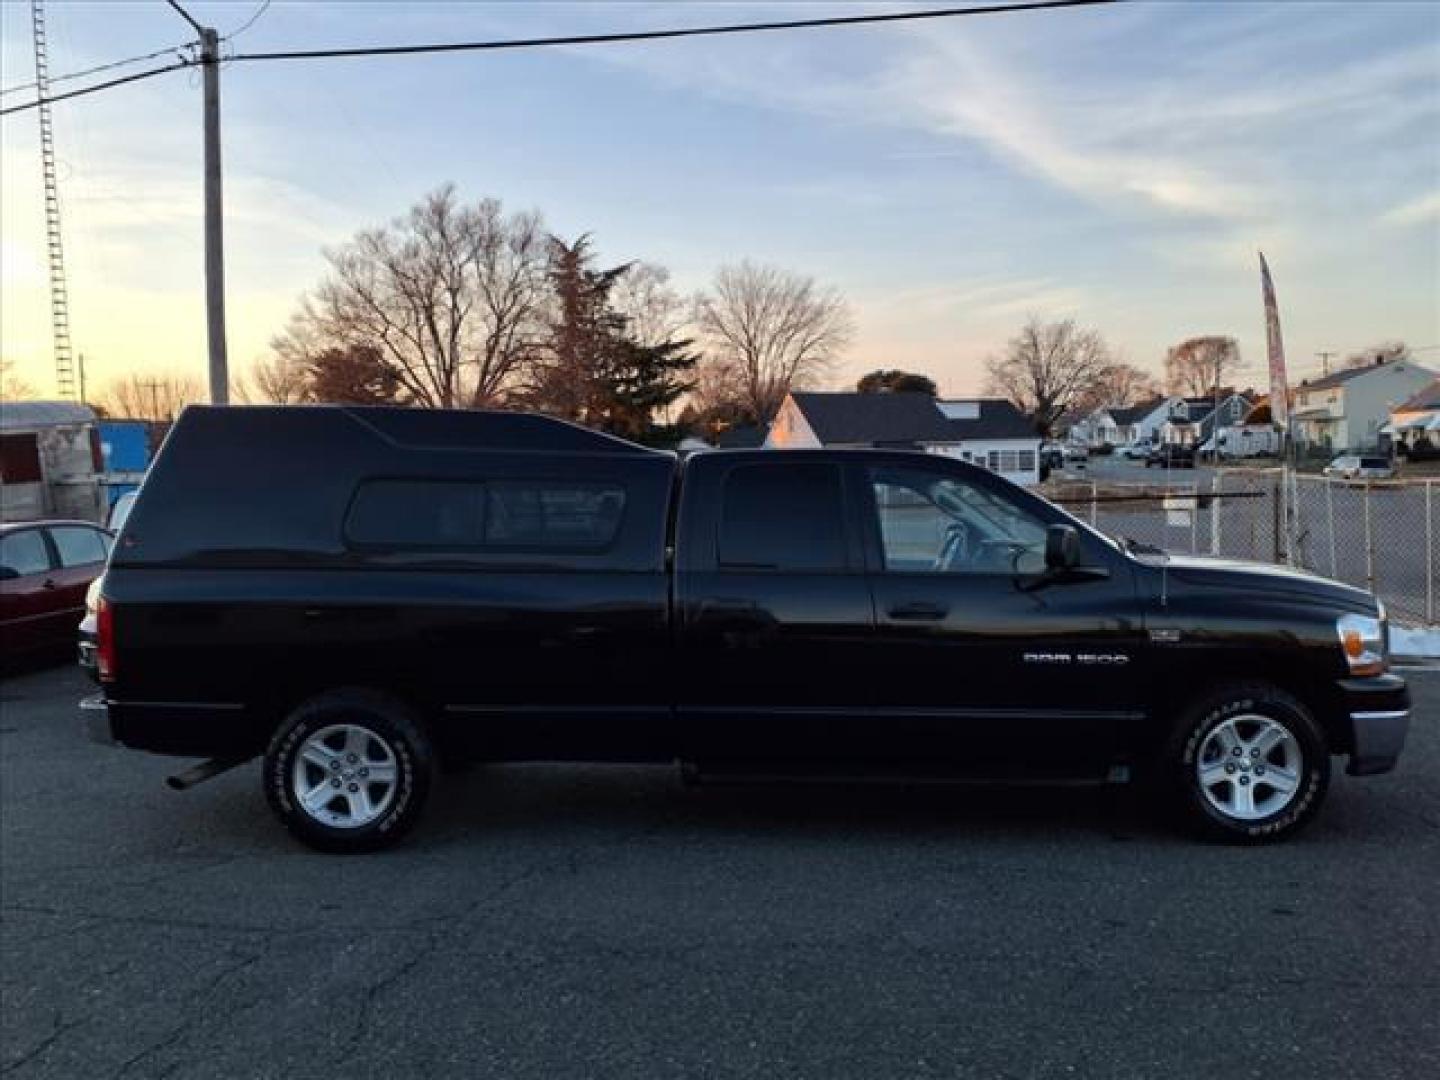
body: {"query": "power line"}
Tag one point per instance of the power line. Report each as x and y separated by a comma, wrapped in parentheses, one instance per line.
(581, 39)
(172, 50)
(264, 6)
(659, 35)
(186, 16)
(97, 87)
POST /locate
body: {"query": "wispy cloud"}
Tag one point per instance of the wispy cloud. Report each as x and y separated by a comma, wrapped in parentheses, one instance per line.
(1424, 210)
(954, 89)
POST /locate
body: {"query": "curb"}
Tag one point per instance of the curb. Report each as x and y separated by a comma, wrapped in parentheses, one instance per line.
(1415, 642)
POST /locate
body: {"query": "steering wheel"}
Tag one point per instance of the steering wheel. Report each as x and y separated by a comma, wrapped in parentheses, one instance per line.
(955, 550)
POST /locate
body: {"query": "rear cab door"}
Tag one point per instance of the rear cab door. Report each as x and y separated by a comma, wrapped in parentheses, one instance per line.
(773, 615)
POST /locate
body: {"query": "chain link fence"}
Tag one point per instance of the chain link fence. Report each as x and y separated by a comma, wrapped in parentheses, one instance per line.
(1382, 536)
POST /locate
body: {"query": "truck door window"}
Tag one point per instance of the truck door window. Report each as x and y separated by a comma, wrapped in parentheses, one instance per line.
(783, 516)
(934, 523)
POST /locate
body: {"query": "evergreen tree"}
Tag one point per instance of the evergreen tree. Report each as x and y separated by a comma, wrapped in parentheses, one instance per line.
(595, 372)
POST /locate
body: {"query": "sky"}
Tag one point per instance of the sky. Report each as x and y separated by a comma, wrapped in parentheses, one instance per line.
(1117, 165)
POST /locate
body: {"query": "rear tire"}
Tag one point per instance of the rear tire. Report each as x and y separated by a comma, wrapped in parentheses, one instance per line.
(1247, 763)
(349, 771)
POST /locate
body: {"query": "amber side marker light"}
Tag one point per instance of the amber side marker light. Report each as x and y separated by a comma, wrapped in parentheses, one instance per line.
(1362, 638)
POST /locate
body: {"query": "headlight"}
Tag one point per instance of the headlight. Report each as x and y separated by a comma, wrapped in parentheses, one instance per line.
(1363, 640)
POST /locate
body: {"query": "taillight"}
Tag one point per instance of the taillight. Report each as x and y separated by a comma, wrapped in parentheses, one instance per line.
(105, 640)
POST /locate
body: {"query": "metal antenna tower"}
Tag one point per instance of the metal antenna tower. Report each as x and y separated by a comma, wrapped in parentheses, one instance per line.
(65, 384)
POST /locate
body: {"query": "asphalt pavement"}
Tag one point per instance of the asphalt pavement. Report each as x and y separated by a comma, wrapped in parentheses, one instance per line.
(608, 922)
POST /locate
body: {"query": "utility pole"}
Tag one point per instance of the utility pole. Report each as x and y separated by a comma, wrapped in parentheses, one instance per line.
(214, 213)
(1325, 362)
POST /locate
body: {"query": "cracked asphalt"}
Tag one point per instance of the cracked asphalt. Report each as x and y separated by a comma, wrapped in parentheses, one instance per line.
(607, 922)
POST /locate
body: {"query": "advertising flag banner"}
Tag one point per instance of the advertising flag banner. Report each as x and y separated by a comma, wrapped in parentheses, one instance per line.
(1279, 391)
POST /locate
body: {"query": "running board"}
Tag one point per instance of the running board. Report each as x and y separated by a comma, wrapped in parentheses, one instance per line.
(205, 770)
(695, 775)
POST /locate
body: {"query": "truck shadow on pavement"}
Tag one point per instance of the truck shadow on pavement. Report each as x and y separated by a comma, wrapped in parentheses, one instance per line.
(526, 800)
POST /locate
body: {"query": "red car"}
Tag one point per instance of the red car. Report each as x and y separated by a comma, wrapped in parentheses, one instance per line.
(45, 568)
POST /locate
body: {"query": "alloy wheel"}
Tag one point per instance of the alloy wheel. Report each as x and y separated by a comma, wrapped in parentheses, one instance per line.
(1250, 767)
(345, 776)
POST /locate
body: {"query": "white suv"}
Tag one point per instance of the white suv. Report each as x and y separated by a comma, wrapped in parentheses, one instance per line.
(1357, 467)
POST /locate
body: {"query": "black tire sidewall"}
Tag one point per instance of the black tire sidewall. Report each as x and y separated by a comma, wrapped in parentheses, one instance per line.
(389, 721)
(1259, 700)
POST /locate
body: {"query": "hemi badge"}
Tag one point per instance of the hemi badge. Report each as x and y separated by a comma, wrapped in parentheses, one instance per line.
(1165, 637)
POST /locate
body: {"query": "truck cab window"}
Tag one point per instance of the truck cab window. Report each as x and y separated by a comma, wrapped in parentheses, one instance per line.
(934, 523)
(783, 516)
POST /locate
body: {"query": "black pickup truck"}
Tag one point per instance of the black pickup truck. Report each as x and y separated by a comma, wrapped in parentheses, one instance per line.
(361, 594)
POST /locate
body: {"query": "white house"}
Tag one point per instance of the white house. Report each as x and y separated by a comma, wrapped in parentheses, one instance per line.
(1120, 426)
(985, 431)
(1416, 421)
(1193, 422)
(1347, 409)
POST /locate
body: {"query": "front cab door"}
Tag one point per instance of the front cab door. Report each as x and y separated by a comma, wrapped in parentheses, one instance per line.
(985, 663)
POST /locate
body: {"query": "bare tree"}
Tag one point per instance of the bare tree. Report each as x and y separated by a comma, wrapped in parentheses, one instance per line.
(774, 329)
(150, 395)
(451, 295)
(718, 399)
(654, 312)
(12, 386)
(281, 379)
(1386, 352)
(1118, 386)
(1197, 366)
(1048, 369)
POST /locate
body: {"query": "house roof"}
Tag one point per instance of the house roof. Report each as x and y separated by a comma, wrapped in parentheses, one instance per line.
(1344, 375)
(31, 415)
(906, 417)
(1134, 413)
(1428, 398)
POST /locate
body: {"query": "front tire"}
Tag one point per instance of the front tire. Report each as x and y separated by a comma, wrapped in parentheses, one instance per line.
(1247, 763)
(349, 771)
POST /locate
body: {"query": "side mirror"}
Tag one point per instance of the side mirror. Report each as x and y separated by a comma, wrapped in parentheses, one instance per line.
(1062, 547)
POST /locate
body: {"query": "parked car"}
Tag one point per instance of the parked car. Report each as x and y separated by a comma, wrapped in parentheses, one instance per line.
(1076, 452)
(1360, 467)
(1135, 451)
(510, 587)
(1052, 455)
(45, 568)
(1171, 456)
